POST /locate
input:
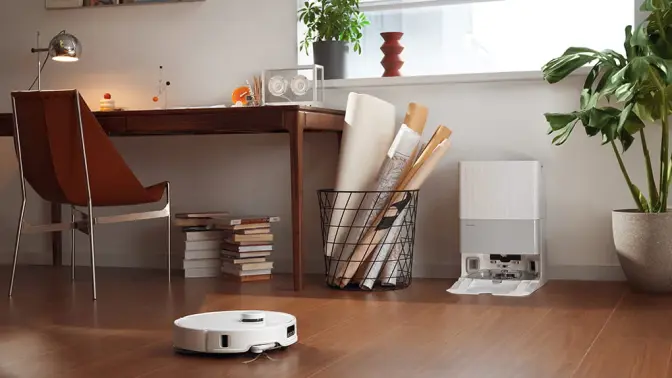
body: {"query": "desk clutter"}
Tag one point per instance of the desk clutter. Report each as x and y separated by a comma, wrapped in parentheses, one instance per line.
(217, 244)
(301, 85)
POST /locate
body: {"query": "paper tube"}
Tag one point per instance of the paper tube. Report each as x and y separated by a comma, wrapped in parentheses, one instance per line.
(389, 272)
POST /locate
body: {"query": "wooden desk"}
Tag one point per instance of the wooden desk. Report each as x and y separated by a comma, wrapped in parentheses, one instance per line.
(271, 119)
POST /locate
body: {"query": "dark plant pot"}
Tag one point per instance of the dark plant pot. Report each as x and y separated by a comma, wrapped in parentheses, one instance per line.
(644, 248)
(331, 55)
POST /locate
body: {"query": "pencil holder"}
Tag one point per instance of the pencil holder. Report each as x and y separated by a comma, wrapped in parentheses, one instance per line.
(368, 238)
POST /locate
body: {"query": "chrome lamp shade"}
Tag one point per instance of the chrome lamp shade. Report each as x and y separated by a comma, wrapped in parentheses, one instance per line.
(65, 48)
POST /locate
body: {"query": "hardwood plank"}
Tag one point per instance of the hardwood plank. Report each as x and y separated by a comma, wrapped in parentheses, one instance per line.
(642, 315)
(626, 357)
(556, 345)
(362, 330)
(400, 352)
(516, 324)
(52, 328)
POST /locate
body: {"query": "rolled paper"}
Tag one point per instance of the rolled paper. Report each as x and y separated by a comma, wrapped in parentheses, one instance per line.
(368, 132)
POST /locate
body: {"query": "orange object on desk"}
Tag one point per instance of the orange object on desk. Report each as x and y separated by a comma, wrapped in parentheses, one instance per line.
(240, 94)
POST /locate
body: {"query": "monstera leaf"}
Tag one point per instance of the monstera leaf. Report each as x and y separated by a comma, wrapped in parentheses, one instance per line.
(637, 90)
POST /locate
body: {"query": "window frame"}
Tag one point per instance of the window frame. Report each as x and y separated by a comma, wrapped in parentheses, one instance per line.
(383, 5)
(387, 5)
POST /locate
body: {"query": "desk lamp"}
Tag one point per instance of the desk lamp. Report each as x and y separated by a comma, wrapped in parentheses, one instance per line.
(63, 47)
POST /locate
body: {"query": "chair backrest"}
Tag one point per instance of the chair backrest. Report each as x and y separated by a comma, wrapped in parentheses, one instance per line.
(51, 152)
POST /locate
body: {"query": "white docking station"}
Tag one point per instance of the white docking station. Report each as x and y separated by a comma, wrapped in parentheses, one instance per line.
(502, 215)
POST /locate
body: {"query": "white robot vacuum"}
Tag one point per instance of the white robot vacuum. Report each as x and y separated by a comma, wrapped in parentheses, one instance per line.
(234, 332)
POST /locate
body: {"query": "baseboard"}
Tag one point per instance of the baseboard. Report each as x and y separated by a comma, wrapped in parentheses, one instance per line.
(555, 272)
(311, 266)
(586, 273)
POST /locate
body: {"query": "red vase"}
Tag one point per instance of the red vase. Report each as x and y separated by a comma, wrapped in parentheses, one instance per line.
(391, 48)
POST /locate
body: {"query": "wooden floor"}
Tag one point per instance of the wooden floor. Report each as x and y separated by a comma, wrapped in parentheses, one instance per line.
(51, 328)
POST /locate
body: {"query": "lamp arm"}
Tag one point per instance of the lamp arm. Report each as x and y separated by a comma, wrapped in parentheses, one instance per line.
(34, 50)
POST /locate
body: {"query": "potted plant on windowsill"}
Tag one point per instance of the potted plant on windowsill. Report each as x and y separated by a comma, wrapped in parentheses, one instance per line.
(332, 25)
(623, 95)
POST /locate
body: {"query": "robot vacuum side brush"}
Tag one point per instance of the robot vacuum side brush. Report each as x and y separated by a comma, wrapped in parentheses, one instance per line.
(234, 332)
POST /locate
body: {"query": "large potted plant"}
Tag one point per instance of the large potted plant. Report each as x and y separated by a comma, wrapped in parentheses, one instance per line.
(331, 26)
(622, 95)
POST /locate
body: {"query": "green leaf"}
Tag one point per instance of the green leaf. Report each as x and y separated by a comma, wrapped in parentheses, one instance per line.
(624, 115)
(654, 5)
(615, 80)
(643, 203)
(648, 107)
(633, 124)
(640, 37)
(639, 68)
(630, 51)
(335, 20)
(603, 118)
(584, 100)
(559, 121)
(561, 138)
(592, 75)
(626, 139)
(606, 120)
(625, 92)
(606, 76)
(559, 68)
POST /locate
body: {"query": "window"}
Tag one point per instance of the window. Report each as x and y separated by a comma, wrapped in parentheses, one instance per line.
(476, 36)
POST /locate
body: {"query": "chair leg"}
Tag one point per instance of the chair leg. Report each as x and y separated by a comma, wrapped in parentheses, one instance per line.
(16, 245)
(169, 232)
(72, 242)
(93, 253)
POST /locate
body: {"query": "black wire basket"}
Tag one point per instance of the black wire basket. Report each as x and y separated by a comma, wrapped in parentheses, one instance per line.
(368, 238)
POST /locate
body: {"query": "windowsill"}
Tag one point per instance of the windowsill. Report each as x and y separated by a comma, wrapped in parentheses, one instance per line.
(442, 79)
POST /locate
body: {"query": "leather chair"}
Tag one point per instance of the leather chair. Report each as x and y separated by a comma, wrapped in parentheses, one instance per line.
(67, 158)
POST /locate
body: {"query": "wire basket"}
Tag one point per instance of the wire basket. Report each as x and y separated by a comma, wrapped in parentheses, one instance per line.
(368, 238)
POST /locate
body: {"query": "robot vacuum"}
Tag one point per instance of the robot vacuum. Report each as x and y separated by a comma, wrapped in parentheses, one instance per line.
(234, 332)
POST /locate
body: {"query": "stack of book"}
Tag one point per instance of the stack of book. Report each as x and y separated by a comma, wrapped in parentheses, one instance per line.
(202, 243)
(247, 245)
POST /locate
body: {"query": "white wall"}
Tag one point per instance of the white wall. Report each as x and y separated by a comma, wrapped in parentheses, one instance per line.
(504, 120)
(207, 51)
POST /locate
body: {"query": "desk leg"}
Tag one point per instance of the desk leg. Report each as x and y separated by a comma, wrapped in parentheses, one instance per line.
(56, 237)
(339, 139)
(296, 157)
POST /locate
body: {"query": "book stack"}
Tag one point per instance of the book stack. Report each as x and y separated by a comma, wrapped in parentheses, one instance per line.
(246, 247)
(202, 243)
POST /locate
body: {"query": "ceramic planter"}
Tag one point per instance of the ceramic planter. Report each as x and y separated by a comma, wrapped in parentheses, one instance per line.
(331, 55)
(644, 246)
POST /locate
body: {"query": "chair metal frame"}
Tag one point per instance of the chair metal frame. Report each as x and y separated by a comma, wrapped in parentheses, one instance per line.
(87, 222)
